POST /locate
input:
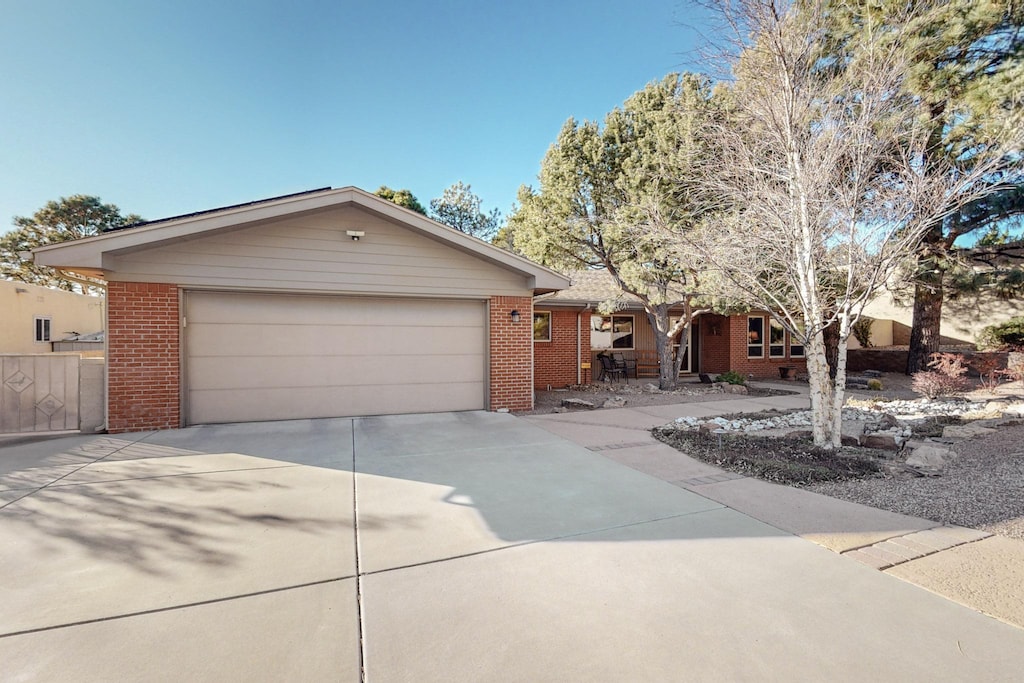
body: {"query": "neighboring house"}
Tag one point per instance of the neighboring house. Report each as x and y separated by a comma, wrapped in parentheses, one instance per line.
(963, 318)
(32, 317)
(326, 303)
(569, 333)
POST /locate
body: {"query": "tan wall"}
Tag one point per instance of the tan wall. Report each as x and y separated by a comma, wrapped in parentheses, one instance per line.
(313, 253)
(92, 395)
(881, 334)
(67, 312)
(961, 320)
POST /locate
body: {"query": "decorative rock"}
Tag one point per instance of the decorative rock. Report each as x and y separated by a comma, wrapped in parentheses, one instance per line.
(929, 459)
(887, 421)
(710, 426)
(881, 440)
(873, 374)
(560, 409)
(849, 440)
(652, 388)
(799, 434)
(1014, 410)
(615, 402)
(996, 406)
(965, 431)
(578, 403)
(734, 388)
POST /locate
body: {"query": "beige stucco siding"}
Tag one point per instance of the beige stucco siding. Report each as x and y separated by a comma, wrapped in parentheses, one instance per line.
(962, 320)
(313, 253)
(67, 311)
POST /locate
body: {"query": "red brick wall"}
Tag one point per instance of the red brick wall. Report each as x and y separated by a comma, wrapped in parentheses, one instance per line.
(142, 357)
(760, 368)
(511, 353)
(714, 344)
(554, 362)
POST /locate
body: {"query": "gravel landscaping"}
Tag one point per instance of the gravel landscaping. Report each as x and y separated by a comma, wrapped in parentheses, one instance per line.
(982, 487)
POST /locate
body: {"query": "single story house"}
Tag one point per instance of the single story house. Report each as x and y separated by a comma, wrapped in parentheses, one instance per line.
(327, 303)
(33, 317)
(570, 332)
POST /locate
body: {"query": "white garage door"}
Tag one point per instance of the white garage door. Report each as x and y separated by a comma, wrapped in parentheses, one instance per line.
(274, 357)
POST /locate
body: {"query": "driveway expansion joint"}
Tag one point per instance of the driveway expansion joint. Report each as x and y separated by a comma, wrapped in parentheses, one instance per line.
(535, 541)
(616, 446)
(913, 546)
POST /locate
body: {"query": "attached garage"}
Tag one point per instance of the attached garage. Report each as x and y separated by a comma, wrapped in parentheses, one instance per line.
(256, 357)
(329, 303)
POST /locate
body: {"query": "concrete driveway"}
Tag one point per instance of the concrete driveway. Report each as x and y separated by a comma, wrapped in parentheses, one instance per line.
(466, 547)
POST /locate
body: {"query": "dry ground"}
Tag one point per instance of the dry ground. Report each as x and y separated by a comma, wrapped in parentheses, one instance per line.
(635, 394)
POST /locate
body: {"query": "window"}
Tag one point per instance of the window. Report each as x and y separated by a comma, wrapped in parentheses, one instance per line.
(796, 350)
(611, 332)
(42, 329)
(542, 326)
(776, 339)
(755, 337)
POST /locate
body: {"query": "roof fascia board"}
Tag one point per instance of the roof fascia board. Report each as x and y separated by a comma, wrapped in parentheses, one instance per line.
(89, 252)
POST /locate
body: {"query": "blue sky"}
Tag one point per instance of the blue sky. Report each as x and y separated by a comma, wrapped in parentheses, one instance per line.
(171, 106)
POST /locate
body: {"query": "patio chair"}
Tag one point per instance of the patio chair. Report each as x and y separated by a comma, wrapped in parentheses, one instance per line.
(608, 369)
(627, 365)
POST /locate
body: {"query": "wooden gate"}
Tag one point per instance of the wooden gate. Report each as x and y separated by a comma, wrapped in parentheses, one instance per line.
(39, 393)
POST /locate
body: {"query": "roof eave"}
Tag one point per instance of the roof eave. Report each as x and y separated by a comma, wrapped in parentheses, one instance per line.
(86, 255)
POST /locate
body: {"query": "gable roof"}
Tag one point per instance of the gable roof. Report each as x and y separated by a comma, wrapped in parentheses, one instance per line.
(593, 287)
(85, 256)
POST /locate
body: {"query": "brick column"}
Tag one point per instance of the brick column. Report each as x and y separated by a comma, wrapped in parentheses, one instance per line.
(143, 368)
(511, 353)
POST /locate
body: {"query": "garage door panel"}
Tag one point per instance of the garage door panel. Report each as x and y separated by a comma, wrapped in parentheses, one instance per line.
(233, 308)
(249, 373)
(312, 340)
(292, 404)
(266, 356)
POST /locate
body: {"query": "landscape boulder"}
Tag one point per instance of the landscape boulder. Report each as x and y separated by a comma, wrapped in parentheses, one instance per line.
(929, 459)
(614, 402)
(882, 440)
(578, 403)
(966, 431)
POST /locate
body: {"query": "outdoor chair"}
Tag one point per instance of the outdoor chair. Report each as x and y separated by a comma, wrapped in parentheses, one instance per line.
(608, 369)
(627, 365)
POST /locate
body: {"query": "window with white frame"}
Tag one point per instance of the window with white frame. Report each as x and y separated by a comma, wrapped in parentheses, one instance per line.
(796, 349)
(42, 328)
(542, 326)
(755, 336)
(611, 332)
(776, 339)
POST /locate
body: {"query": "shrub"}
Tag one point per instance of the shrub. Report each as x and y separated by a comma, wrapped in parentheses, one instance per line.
(731, 377)
(987, 367)
(875, 384)
(1009, 334)
(947, 378)
(862, 331)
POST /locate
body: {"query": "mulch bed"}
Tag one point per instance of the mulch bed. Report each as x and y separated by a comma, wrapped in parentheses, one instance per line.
(796, 462)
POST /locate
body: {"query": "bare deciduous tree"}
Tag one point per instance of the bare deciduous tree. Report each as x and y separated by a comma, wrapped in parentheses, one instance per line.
(820, 187)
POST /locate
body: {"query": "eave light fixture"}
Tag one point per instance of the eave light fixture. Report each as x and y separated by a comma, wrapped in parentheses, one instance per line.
(355, 234)
(515, 316)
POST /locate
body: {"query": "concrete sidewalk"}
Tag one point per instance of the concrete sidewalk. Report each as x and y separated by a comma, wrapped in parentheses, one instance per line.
(972, 567)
